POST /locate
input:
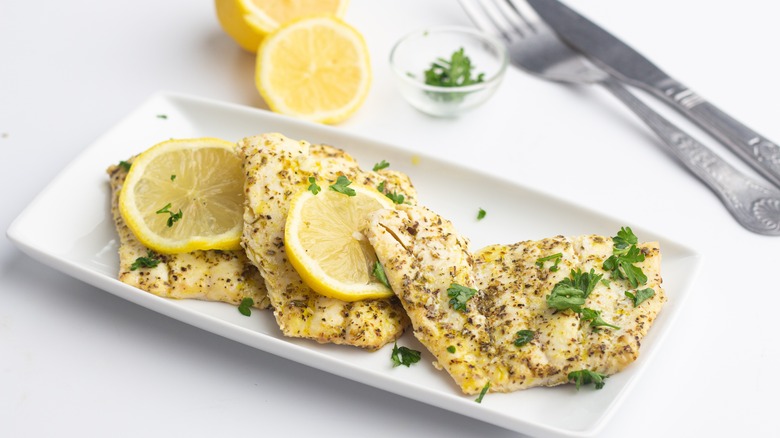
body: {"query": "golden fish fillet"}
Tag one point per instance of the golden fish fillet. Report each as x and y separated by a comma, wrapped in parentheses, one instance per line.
(423, 255)
(213, 275)
(276, 168)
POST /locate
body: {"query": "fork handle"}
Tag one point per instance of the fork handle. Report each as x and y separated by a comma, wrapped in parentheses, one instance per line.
(753, 148)
(754, 205)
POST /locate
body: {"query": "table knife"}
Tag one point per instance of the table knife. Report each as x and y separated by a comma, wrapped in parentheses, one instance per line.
(631, 67)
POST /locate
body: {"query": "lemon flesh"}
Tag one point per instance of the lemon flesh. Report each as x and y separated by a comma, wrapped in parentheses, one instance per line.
(199, 180)
(248, 21)
(325, 245)
(315, 68)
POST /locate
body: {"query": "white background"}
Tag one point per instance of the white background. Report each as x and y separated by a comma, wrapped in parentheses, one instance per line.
(76, 361)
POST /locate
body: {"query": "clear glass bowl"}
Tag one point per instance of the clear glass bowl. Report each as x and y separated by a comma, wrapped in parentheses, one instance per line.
(416, 52)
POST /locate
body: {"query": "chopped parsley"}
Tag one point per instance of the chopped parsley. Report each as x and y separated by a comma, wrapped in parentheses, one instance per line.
(404, 356)
(555, 258)
(381, 165)
(341, 186)
(640, 296)
(624, 254)
(246, 306)
(483, 392)
(150, 261)
(594, 317)
(395, 197)
(124, 165)
(455, 72)
(524, 337)
(162, 116)
(313, 187)
(481, 214)
(459, 296)
(381, 187)
(173, 218)
(379, 274)
(565, 296)
(451, 349)
(173, 177)
(585, 377)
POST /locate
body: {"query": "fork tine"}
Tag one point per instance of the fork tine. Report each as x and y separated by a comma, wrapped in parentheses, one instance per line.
(526, 13)
(513, 16)
(485, 16)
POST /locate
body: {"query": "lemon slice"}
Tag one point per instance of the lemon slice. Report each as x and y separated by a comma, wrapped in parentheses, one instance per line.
(323, 241)
(314, 68)
(185, 195)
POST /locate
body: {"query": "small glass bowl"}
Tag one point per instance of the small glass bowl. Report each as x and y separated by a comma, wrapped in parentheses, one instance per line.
(415, 53)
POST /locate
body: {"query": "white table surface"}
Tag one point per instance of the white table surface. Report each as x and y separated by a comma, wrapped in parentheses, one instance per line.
(76, 361)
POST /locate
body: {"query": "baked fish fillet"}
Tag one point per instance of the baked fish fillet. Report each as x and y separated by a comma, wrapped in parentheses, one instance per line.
(423, 255)
(213, 275)
(276, 168)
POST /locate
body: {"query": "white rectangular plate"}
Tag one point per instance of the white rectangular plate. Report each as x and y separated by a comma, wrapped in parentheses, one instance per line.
(82, 242)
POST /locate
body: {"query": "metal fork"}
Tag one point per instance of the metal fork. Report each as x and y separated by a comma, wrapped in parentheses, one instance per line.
(534, 47)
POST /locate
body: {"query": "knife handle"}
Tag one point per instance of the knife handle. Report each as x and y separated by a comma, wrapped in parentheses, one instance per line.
(753, 148)
(754, 205)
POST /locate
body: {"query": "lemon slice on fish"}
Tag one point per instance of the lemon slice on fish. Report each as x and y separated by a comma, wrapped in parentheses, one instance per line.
(185, 195)
(324, 243)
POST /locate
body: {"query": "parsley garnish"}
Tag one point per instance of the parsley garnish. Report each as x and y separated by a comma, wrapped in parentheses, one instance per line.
(594, 317)
(455, 72)
(246, 306)
(624, 254)
(395, 197)
(162, 116)
(524, 337)
(640, 296)
(404, 356)
(555, 258)
(124, 165)
(451, 349)
(381, 187)
(313, 187)
(381, 165)
(565, 296)
(173, 216)
(483, 392)
(584, 377)
(459, 295)
(150, 261)
(583, 281)
(341, 186)
(173, 177)
(379, 274)
(481, 214)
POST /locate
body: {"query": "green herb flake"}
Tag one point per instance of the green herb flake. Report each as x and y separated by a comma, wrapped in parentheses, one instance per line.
(641, 296)
(564, 296)
(341, 186)
(594, 317)
(483, 392)
(173, 218)
(451, 349)
(481, 214)
(150, 261)
(459, 296)
(585, 377)
(381, 187)
(524, 337)
(162, 116)
(173, 177)
(124, 165)
(379, 274)
(381, 165)
(455, 72)
(404, 356)
(624, 254)
(313, 187)
(245, 308)
(395, 197)
(555, 258)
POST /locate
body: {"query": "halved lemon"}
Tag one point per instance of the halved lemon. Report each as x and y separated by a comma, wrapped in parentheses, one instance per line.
(323, 241)
(248, 21)
(314, 68)
(185, 195)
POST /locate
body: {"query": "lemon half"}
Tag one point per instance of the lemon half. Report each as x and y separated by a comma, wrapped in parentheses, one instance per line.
(314, 68)
(185, 195)
(248, 21)
(324, 243)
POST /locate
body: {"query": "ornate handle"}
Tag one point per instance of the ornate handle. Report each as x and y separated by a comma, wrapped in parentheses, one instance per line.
(754, 205)
(753, 148)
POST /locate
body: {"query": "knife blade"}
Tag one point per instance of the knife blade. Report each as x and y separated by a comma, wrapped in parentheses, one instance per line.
(631, 67)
